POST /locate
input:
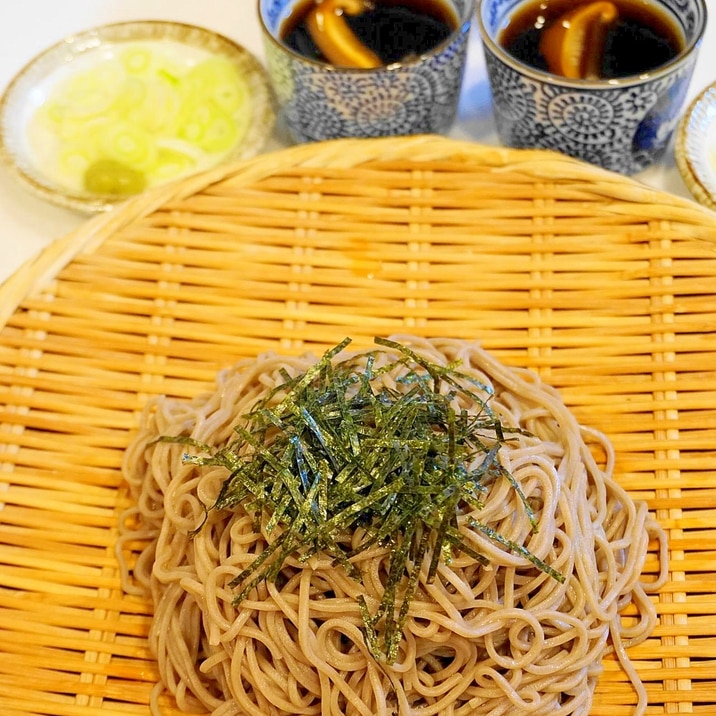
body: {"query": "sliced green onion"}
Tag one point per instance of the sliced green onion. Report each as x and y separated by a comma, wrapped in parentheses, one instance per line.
(141, 108)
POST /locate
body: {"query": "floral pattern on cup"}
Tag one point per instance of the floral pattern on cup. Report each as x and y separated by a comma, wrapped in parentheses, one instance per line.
(624, 125)
(320, 102)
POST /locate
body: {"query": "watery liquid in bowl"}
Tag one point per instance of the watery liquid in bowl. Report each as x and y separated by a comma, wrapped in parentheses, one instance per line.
(592, 39)
(367, 33)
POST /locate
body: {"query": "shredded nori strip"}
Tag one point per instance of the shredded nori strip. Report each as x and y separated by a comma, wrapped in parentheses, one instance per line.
(335, 448)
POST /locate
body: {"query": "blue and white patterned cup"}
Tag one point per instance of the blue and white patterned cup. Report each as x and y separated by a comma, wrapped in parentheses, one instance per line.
(624, 125)
(319, 101)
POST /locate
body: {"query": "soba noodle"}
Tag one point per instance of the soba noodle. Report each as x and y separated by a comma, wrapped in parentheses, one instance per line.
(506, 638)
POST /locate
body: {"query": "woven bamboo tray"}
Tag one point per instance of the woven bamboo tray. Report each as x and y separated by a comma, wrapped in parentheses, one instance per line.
(603, 286)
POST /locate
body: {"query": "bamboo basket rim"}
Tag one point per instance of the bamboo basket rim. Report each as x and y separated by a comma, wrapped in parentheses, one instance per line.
(339, 153)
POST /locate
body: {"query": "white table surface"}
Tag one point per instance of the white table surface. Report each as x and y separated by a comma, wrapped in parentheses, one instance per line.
(28, 224)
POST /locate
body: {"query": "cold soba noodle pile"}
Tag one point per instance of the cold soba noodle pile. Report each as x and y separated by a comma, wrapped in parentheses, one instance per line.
(407, 530)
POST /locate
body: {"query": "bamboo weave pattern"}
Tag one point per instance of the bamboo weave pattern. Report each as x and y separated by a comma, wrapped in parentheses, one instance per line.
(600, 284)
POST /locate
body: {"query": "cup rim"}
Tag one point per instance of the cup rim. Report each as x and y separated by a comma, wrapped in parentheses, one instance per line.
(589, 84)
(462, 28)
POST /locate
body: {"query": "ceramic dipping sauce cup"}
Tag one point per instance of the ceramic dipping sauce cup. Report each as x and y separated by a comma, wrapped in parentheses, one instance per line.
(622, 124)
(319, 101)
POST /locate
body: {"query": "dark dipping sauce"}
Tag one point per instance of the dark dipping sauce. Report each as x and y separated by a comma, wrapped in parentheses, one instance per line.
(642, 38)
(395, 30)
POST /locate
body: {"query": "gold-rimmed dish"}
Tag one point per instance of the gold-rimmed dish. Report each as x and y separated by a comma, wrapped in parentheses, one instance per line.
(109, 112)
(696, 147)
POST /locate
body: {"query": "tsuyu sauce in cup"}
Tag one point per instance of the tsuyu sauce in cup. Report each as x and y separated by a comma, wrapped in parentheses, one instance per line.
(604, 81)
(597, 39)
(366, 68)
(367, 33)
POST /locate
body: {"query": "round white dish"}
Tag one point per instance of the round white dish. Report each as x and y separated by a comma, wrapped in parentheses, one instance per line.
(696, 147)
(33, 86)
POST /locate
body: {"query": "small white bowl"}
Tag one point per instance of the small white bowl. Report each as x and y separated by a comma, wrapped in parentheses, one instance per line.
(34, 85)
(695, 149)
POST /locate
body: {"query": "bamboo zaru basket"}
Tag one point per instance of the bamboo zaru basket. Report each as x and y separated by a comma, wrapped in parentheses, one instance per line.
(601, 285)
